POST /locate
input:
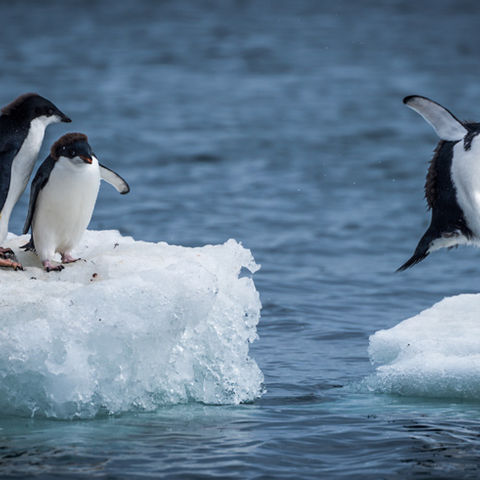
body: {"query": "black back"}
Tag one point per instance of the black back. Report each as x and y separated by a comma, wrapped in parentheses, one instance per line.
(447, 216)
(12, 135)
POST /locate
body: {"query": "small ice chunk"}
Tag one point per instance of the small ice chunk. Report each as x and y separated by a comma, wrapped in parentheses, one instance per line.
(434, 354)
(132, 326)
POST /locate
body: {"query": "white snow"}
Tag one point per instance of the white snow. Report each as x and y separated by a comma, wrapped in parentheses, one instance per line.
(434, 354)
(132, 326)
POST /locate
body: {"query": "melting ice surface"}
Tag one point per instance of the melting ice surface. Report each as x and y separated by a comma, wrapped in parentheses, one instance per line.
(434, 354)
(133, 326)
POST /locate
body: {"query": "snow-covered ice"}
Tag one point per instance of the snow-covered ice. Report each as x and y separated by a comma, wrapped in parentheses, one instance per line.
(132, 326)
(434, 354)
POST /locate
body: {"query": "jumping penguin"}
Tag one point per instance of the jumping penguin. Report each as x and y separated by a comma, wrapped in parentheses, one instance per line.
(452, 188)
(22, 128)
(62, 198)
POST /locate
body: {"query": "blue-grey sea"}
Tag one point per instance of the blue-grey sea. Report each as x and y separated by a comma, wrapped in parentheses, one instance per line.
(279, 124)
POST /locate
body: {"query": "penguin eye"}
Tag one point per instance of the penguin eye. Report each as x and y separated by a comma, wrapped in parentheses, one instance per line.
(50, 111)
(73, 153)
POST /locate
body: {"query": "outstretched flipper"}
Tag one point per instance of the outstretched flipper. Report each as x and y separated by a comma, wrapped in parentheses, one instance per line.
(447, 126)
(114, 179)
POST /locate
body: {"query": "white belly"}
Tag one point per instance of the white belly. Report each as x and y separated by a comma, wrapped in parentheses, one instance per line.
(64, 207)
(466, 177)
(22, 169)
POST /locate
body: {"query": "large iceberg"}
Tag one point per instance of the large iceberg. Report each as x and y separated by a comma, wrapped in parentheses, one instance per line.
(434, 354)
(132, 326)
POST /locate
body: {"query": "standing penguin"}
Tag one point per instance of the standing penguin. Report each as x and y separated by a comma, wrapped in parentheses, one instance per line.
(62, 198)
(22, 128)
(452, 188)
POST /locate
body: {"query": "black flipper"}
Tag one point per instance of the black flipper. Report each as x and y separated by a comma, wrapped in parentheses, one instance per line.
(40, 180)
(7, 154)
(114, 179)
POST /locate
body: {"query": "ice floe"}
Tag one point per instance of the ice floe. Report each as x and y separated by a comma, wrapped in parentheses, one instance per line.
(434, 354)
(132, 326)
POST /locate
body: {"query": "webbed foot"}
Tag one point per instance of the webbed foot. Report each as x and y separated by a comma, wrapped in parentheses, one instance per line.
(67, 258)
(29, 247)
(49, 267)
(8, 259)
(7, 253)
(9, 263)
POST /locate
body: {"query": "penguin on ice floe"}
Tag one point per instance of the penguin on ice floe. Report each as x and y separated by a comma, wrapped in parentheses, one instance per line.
(22, 128)
(62, 198)
(452, 188)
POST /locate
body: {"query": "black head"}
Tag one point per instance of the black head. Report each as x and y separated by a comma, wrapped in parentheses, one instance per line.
(72, 146)
(30, 106)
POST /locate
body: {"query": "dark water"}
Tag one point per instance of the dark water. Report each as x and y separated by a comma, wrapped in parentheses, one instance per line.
(279, 124)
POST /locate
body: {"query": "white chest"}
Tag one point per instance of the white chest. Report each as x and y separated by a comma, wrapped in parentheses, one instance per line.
(466, 178)
(27, 155)
(65, 205)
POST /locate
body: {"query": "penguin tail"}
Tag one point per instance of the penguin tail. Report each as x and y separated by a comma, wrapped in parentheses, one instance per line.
(421, 252)
(413, 260)
(30, 246)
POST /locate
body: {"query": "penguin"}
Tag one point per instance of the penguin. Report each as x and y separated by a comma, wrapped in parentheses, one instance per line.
(63, 196)
(22, 127)
(452, 187)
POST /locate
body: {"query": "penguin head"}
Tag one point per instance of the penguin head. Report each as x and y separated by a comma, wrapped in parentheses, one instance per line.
(74, 147)
(31, 106)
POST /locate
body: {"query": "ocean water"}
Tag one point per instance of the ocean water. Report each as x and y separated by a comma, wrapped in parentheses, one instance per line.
(278, 124)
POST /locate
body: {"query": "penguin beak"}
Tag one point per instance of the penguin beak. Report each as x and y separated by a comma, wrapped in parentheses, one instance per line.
(86, 159)
(63, 117)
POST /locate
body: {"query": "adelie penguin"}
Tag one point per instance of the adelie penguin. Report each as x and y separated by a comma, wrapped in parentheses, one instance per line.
(22, 128)
(62, 198)
(452, 188)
